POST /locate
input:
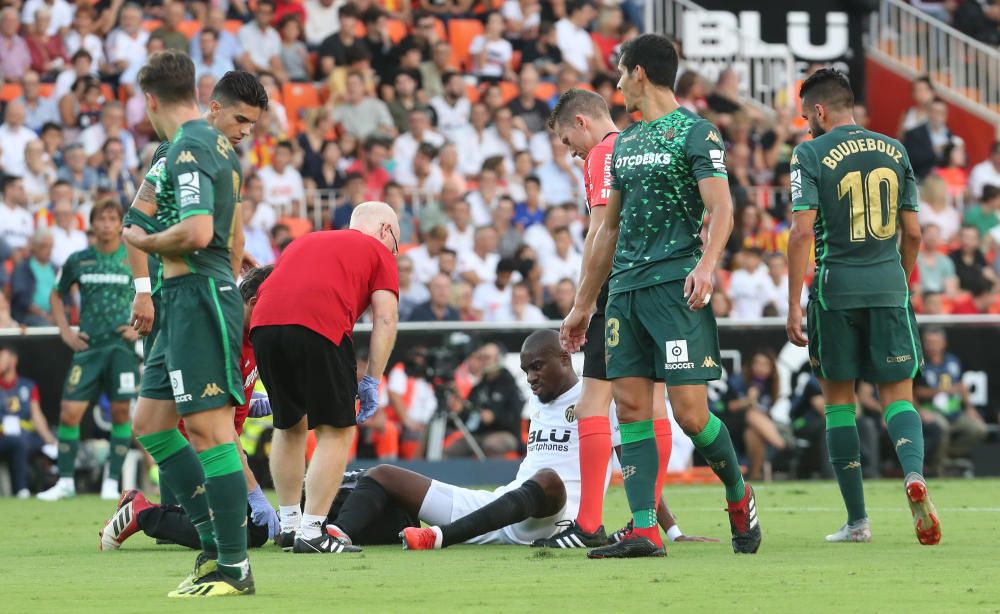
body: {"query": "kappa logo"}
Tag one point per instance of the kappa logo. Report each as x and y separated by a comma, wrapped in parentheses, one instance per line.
(190, 189)
(186, 157)
(814, 362)
(198, 490)
(709, 363)
(902, 441)
(714, 137)
(853, 465)
(211, 390)
(794, 160)
(718, 466)
(628, 471)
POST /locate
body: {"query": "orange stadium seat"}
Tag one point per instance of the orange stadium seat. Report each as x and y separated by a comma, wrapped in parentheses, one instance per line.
(472, 93)
(397, 30)
(107, 92)
(151, 24)
(509, 91)
(45, 89)
(545, 90)
(461, 33)
(233, 25)
(515, 61)
(298, 97)
(189, 28)
(10, 91)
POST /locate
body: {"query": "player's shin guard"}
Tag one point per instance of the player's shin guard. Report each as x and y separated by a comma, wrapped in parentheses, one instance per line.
(364, 505)
(69, 445)
(183, 474)
(121, 437)
(640, 462)
(226, 487)
(716, 447)
(664, 446)
(907, 434)
(845, 455)
(595, 452)
(523, 502)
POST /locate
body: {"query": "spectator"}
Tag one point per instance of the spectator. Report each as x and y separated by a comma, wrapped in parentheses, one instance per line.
(524, 167)
(531, 110)
(16, 57)
(508, 236)
(564, 263)
(507, 140)
(986, 173)
(6, 319)
(491, 53)
(412, 399)
(725, 98)
(453, 109)
(360, 114)
(211, 61)
(294, 56)
(448, 263)
(607, 37)
(25, 429)
(461, 230)
(384, 58)
(38, 176)
(484, 199)
(282, 182)
(14, 137)
(81, 65)
(561, 179)
(261, 42)
(401, 98)
(461, 299)
(521, 18)
(521, 308)
(748, 402)
(527, 265)
(411, 292)
(944, 399)
(544, 52)
(126, 45)
(354, 195)
(953, 172)
(322, 20)
(932, 304)
(433, 71)
(562, 301)
(808, 416)
(574, 41)
(777, 270)
(33, 281)
(203, 91)
(436, 308)
(37, 110)
(424, 37)
(491, 299)
(691, 91)
(405, 146)
(476, 142)
(395, 197)
(922, 93)
(371, 166)
(980, 20)
(310, 143)
(169, 30)
(493, 412)
(449, 164)
(478, 265)
(16, 222)
(986, 215)
(971, 268)
(937, 271)
(936, 208)
(978, 302)
(334, 49)
(82, 178)
(540, 236)
(425, 255)
(67, 238)
(750, 286)
(228, 49)
(81, 108)
(330, 176)
(112, 176)
(532, 210)
(111, 126)
(926, 143)
(427, 177)
(257, 242)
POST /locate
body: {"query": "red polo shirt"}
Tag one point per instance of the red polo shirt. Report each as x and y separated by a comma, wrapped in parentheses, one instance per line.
(324, 281)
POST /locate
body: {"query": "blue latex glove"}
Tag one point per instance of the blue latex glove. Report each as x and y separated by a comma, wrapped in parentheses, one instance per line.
(260, 406)
(368, 394)
(262, 513)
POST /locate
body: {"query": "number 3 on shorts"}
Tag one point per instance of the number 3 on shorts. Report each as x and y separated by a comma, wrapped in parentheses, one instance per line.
(611, 332)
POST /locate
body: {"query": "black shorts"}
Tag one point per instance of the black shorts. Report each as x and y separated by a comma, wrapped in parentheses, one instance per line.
(306, 375)
(594, 363)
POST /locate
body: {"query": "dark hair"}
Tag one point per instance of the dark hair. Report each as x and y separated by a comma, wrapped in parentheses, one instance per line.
(60, 182)
(348, 10)
(240, 86)
(994, 149)
(109, 141)
(357, 54)
(449, 75)
(560, 230)
(279, 227)
(168, 75)
(373, 141)
(990, 192)
(657, 56)
(772, 383)
(372, 15)
(51, 126)
(686, 82)
(7, 180)
(575, 102)
(353, 176)
(212, 31)
(80, 54)
(426, 149)
(448, 250)
(829, 87)
(103, 205)
(533, 179)
(392, 185)
(252, 280)
(270, 3)
(506, 265)
(601, 80)
(924, 79)
(284, 145)
(7, 347)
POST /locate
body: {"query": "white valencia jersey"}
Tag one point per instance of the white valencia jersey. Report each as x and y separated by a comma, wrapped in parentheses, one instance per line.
(554, 443)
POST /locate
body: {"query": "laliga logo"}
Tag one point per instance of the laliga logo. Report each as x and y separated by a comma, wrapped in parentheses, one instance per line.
(710, 34)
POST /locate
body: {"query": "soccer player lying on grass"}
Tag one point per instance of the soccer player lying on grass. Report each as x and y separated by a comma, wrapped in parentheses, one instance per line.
(170, 522)
(542, 498)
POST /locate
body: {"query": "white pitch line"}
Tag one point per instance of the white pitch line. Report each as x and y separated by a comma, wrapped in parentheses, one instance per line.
(766, 509)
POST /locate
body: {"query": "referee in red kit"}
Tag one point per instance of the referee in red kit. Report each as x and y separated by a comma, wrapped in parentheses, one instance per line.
(301, 334)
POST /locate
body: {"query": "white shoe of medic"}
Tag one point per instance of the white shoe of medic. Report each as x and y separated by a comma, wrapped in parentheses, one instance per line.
(858, 531)
(109, 490)
(64, 489)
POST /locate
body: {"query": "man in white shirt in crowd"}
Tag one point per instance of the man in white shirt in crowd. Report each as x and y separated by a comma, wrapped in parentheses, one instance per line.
(81, 65)
(282, 182)
(540, 236)
(573, 39)
(485, 198)
(521, 309)
(112, 125)
(261, 41)
(14, 137)
(126, 45)
(452, 107)
(479, 265)
(564, 264)
(561, 178)
(777, 270)
(37, 110)
(986, 172)
(425, 256)
(492, 298)
(61, 11)
(750, 286)
(256, 240)
(321, 20)
(211, 63)
(505, 138)
(461, 231)
(411, 292)
(491, 53)
(228, 48)
(476, 143)
(427, 178)
(82, 36)
(404, 148)
(360, 114)
(66, 237)
(265, 216)
(16, 223)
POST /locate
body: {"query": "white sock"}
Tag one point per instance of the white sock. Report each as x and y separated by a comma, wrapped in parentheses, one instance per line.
(290, 516)
(312, 526)
(438, 538)
(68, 482)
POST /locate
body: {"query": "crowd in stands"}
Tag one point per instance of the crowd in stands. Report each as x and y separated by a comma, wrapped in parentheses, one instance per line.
(439, 108)
(978, 19)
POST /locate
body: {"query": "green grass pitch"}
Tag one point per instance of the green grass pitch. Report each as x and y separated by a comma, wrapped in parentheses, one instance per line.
(49, 562)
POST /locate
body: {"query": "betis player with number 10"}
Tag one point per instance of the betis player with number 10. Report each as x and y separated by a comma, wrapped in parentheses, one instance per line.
(853, 187)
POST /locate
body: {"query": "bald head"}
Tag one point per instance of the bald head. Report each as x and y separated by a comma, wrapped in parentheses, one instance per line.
(549, 369)
(541, 341)
(378, 220)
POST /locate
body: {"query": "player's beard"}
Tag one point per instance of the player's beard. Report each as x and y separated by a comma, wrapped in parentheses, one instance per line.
(815, 128)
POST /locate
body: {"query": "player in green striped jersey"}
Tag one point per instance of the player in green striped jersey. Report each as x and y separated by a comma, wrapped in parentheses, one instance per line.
(854, 189)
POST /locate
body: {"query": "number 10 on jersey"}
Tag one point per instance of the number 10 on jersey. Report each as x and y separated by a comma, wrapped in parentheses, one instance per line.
(868, 215)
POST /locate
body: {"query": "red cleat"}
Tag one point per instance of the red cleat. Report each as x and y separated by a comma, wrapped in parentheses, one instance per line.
(925, 519)
(334, 531)
(415, 538)
(743, 523)
(125, 522)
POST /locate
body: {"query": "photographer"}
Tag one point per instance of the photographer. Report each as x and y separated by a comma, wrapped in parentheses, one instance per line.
(412, 401)
(492, 412)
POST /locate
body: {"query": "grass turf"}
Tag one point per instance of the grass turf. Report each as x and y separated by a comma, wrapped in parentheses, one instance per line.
(49, 562)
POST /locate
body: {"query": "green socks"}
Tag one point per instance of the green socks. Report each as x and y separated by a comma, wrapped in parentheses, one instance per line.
(844, 446)
(227, 496)
(121, 437)
(182, 473)
(69, 445)
(716, 446)
(640, 461)
(906, 432)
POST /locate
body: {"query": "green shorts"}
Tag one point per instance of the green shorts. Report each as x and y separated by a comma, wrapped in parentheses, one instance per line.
(651, 333)
(195, 356)
(876, 344)
(147, 343)
(111, 369)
